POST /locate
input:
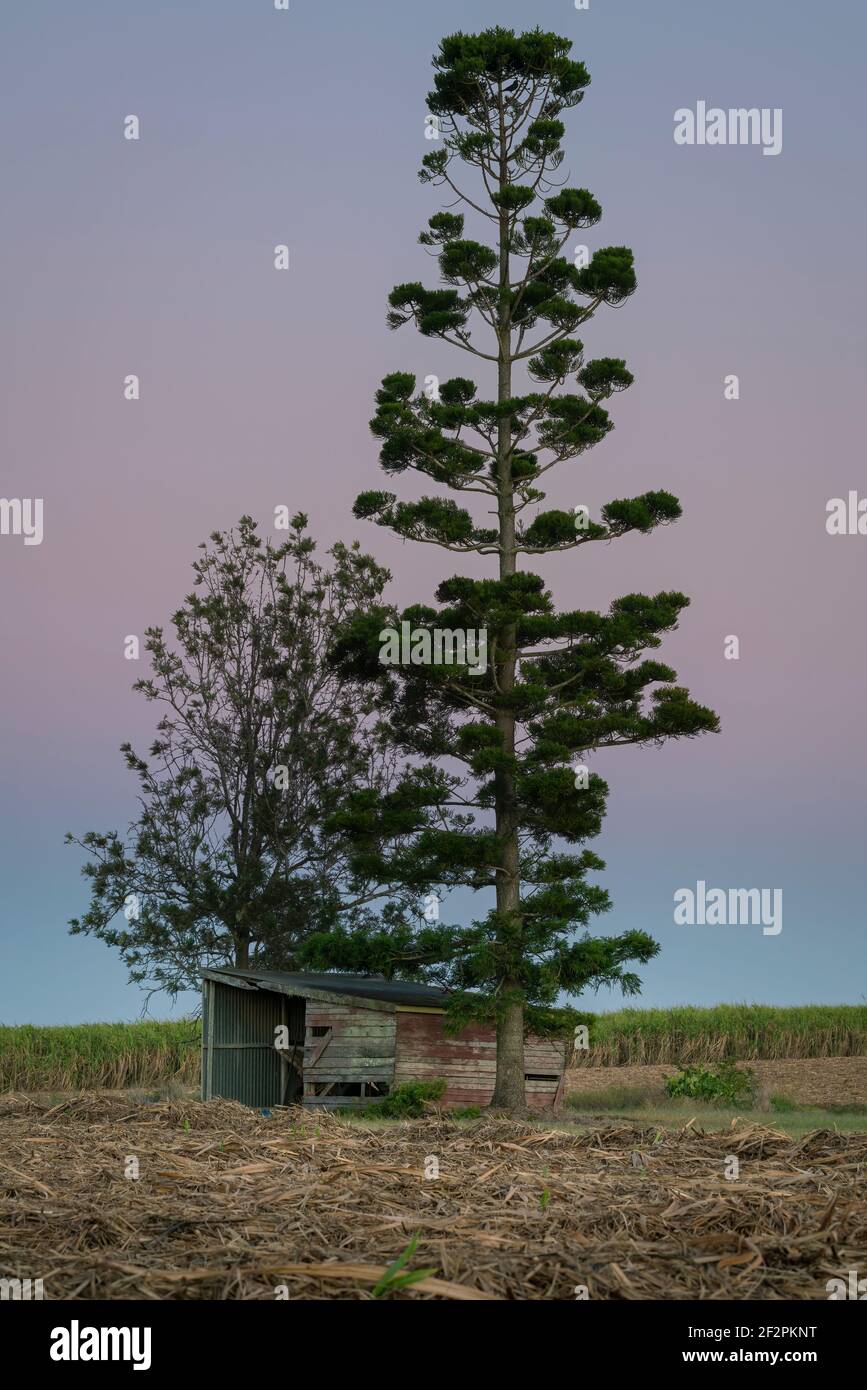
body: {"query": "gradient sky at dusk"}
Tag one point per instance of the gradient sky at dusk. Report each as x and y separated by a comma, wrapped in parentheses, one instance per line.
(307, 127)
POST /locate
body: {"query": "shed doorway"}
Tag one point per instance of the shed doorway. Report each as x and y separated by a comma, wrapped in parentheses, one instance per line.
(290, 1050)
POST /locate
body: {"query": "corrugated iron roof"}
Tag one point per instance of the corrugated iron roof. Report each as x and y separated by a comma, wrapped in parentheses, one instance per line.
(359, 986)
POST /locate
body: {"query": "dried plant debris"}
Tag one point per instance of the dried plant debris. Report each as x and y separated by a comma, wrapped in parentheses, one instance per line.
(101, 1198)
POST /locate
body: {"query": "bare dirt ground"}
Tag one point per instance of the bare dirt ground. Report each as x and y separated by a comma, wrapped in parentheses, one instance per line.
(806, 1081)
(233, 1204)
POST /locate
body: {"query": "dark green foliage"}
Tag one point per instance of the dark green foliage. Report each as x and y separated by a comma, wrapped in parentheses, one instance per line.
(724, 1084)
(407, 1102)
(257, 744)
(490, 796)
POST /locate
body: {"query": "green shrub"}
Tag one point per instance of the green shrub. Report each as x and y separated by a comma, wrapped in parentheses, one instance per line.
(407, 1102)
(723, 1084)
(465, 1112)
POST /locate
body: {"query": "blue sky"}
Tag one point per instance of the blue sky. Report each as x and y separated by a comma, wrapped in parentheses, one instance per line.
(306, 127)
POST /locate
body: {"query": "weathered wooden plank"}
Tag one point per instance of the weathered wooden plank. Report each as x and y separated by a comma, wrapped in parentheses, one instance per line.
(447, 1046)
(455, 1098)
(337, 1102)
(344, 1065)
(351, 1024)
(381, 1073)
(352, 1074)
(317, 1047)
(358, 1047)
(353, 1069)
(355, 1047)
(439, 1049)
(344, 1006)
(467, 1060)
(441, 1057)
(350, 1019)
(341, 1030)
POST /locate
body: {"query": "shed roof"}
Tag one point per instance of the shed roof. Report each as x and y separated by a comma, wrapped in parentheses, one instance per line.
(376, 987)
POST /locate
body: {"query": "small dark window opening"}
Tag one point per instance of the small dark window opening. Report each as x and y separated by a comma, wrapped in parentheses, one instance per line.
(350, 1088)
(319, 1031)
(540, 1076)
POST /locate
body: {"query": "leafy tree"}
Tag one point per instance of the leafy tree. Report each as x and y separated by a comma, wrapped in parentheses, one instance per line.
(227, 862)
(559, 685)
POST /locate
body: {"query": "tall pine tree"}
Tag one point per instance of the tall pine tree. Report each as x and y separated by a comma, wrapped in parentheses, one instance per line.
(491, 786)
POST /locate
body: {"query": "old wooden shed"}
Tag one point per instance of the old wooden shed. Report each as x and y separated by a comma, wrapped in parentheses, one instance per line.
(273, 1038)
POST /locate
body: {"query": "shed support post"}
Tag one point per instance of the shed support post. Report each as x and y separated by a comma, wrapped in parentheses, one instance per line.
(208, 1079)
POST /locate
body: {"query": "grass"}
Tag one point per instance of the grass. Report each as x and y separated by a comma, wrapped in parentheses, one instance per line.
(670, 1115)
(97, 1056)
(741, 1032)
(93, 1056)
(796, 1123)
(618, 1103)
(619, 1098)
(649, 1108)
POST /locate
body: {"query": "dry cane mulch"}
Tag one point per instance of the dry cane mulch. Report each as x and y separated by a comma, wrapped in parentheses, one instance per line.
(230, 1203)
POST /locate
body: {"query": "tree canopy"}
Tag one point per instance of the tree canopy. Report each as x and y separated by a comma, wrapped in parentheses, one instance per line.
(490, 797)
(258, 742)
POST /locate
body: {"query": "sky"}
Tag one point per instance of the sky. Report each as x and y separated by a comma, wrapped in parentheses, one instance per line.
(306, 127)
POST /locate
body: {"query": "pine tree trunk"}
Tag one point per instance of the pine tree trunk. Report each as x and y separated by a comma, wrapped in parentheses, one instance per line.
(509, 1090)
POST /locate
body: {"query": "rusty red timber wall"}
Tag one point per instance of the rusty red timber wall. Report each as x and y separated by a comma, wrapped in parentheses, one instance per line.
(468, 1061)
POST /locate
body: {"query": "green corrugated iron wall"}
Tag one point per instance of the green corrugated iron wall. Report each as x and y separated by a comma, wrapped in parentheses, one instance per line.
(238, 1057)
